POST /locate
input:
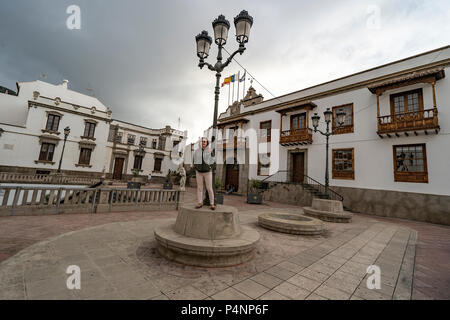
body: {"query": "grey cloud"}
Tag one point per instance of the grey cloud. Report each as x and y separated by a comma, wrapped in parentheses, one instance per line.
(139, 56)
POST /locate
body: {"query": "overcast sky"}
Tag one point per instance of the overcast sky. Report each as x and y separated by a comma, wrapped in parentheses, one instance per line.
(139, 56)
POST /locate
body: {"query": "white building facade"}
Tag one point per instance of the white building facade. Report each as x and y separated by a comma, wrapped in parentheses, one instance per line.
(32, 124)
(149, 151)
(390, 157)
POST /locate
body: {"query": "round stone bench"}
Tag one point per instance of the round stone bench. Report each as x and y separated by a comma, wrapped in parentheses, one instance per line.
(206, 238)
(290, 223)
(328, 210)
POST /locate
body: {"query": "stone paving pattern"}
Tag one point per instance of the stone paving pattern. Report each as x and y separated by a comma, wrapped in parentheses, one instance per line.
(116, 254)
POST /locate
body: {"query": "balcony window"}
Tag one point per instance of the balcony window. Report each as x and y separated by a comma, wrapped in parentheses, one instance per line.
(298, 121)
(154, 144)
(47, 151)
(408, 115)
(143, 142)
(52, 122)
(298, 134)
(131, 139)
(410, 163)
(119, 137)
(89, 130)
(157, 165)
(410, 101)
(343, 164)
(111, 134)
(265, 130)
(162, 143)
(263, 164)
(347, 127)
(138, 162)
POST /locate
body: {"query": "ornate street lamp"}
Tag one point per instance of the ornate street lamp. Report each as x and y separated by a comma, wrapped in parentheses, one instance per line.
(66, 134)
(243, 23)
(328, 114)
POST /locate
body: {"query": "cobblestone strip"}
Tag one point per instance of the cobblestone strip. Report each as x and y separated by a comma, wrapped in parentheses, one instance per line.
(320, 264)
(403, 289)
(389, 261)
(272, 284)
(345, 275)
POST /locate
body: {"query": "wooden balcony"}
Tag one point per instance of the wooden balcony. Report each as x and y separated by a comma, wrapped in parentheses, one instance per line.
(236, 143)
(296, 137)
(409, 122)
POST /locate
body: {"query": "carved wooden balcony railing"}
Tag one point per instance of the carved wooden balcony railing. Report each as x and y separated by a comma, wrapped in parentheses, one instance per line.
(423, 120)
(231, 143)
(296, 137)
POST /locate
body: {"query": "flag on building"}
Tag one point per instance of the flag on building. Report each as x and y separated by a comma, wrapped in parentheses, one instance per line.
(243, 77)
(228, 80)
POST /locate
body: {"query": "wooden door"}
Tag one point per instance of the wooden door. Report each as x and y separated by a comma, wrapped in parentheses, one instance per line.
(232, 176)
(118, 168)
(298, 164)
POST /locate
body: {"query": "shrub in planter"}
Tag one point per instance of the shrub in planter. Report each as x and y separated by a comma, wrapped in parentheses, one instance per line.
(168, 185)
(136, 181)
(254, 196)
(219, 194)
(133, 185)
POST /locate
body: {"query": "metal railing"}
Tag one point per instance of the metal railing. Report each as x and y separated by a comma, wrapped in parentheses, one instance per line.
(11, 177)
(311, 185)
(50, 200)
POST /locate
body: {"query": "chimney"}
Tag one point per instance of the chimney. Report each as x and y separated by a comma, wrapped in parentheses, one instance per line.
(64, 83)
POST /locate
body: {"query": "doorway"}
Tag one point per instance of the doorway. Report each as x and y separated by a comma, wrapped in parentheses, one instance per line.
(118, 168)
(232, 176)
(298, 167)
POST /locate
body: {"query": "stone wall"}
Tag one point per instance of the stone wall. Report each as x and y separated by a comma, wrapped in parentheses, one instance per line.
(384, 203)
(288, 193)
(394, 204)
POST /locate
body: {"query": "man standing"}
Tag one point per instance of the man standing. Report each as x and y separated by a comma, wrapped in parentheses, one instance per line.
(203, 173)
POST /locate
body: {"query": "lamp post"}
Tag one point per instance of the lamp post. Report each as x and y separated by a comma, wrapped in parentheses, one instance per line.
(328, 117)
(66, 134)
(243, 23)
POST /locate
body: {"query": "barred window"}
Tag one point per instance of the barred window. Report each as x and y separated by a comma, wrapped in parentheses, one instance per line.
(343, 164)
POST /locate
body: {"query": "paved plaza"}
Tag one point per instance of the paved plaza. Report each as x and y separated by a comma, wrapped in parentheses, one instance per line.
(117, 258)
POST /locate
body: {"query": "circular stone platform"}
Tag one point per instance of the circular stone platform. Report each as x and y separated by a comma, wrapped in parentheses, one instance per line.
(206, 238)
(290, 223)
(328, 210)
